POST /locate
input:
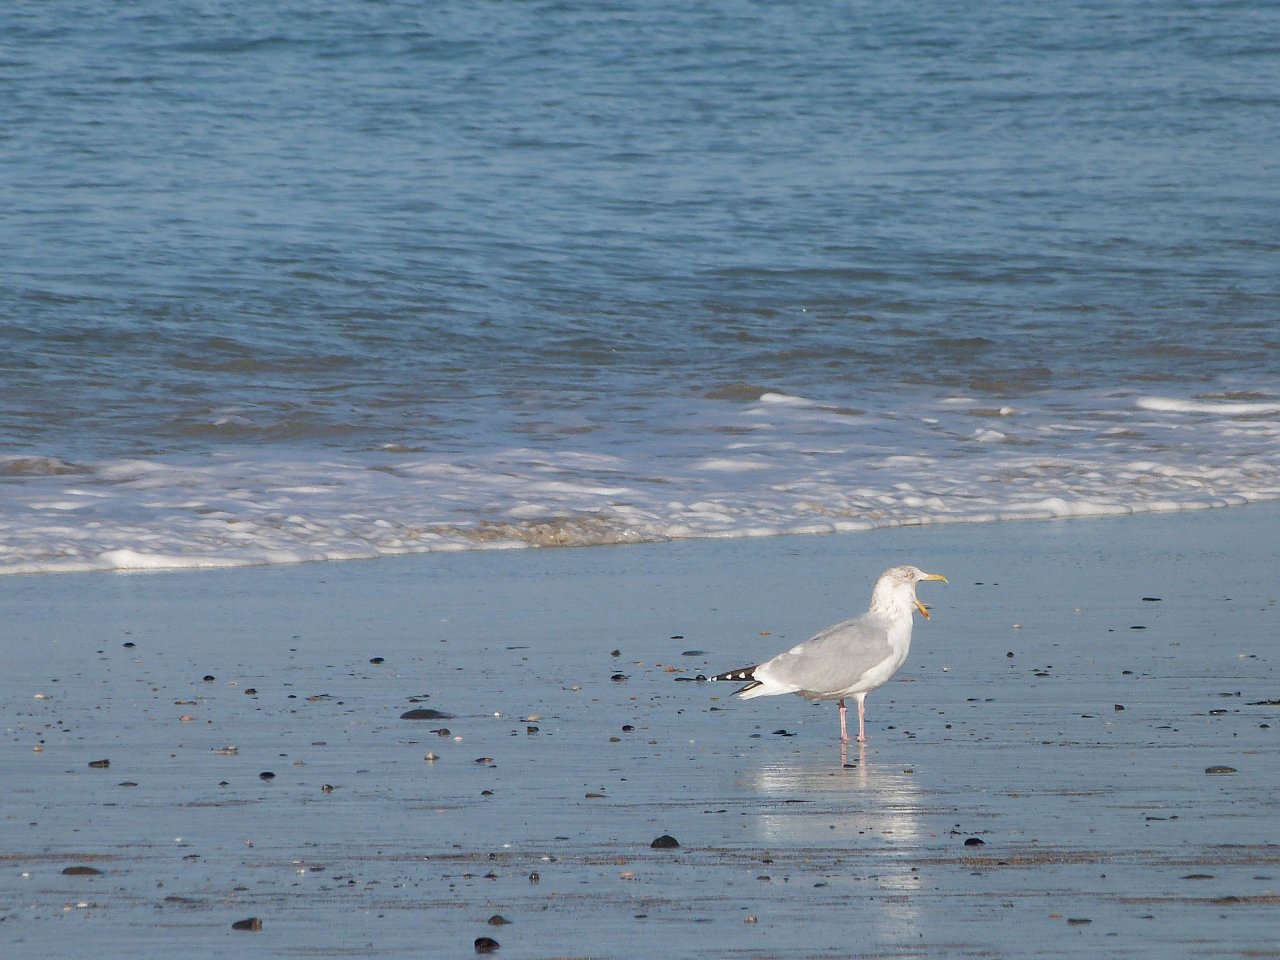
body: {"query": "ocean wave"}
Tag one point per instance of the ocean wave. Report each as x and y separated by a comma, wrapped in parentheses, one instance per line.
(800, 471)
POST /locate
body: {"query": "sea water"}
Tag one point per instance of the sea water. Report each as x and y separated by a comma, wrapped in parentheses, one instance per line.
(320, 282)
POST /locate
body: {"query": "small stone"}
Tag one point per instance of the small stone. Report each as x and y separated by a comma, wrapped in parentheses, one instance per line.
(486, 944)
(1119, 707)
(484, 760)
(377, 660)
(975, 842)
(498, 920)
(425, 713)
(665, 842)
(209, 678)
(249, 923)
(1078, 921)
(327, 788)
(99, 764)
(127, 783)
(81, 871)
(1152, 599)
(1219, 771)
(250, 691)
(534, 877)
(266, 775)
(619, 678)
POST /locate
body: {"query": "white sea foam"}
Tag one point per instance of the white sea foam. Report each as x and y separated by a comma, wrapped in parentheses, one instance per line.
(806, 472)
(1220, 407)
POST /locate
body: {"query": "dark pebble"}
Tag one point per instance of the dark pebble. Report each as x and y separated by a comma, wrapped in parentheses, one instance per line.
(425, 713)
(498, 920)
(484, 760)
(249, 923)
(530, 729)
(693, 653)
(82, 872)
(1078, 921)
(627, 728)
(1152, 599)
(127, 783)
(619, 677)
(128, 643)
(1219, 771)
(209, 678)
(1009, 654)
(250, 691)
(327, 788)
(665, 842)
(99, 764)
(1138, 627)
(376, 660)
(615, 653)
(1119, 706)
(975, 842)
(266, 775)
(1197, 876)
(486, 944)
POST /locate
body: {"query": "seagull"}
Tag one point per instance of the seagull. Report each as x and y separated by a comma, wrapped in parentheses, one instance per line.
(848, 659)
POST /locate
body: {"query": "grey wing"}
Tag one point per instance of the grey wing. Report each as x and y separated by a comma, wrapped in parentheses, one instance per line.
(832, 660)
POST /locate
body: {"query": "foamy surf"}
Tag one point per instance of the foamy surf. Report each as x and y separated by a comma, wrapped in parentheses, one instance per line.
(796, 470)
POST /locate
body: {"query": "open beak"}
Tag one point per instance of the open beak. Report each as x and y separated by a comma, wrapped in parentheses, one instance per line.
(920, 606)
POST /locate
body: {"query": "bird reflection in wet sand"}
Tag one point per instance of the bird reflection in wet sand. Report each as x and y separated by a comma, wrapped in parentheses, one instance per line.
(849, 659)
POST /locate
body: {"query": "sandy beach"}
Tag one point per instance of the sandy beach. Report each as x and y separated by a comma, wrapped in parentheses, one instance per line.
(1080, 757)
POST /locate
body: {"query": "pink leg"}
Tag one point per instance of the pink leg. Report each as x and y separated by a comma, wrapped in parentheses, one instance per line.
(844, 733)
(862, 718)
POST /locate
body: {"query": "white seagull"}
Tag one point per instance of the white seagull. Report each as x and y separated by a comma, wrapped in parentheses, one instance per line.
(849, 659)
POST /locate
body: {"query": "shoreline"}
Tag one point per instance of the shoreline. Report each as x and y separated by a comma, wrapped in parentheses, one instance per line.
(582, 531)
(1079, 761)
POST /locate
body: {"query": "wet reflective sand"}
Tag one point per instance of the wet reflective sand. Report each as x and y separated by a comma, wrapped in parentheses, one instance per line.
(1079, 762)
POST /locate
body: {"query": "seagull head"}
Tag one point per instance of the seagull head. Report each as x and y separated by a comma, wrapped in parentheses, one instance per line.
(895, 591)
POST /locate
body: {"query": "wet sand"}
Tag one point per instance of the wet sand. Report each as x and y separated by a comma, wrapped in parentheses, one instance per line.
(1049, 709)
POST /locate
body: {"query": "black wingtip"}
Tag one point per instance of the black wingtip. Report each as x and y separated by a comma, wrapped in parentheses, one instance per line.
(738, 676)
(747, 675)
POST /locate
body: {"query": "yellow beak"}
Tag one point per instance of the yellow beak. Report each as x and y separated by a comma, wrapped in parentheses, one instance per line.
(920, 606)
